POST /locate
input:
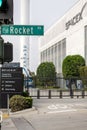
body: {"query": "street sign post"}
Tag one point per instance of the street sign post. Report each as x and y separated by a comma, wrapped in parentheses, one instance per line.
(22, 30)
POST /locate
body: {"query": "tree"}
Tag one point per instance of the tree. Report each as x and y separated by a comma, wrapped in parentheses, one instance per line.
(71, 65)
(83, 74)
(46, 72)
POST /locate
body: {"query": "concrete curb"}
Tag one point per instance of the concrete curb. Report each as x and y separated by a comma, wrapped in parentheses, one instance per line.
(23, 111)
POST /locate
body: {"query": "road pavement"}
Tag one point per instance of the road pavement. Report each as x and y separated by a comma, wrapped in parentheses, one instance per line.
(50, 114)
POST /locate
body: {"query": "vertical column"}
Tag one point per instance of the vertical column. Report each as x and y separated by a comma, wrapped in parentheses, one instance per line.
(24, 40)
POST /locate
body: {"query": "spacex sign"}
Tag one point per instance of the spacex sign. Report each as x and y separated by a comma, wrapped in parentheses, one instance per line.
(76, 18)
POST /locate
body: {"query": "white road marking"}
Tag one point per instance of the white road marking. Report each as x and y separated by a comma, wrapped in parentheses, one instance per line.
(58, 108)
(69, 110)
(62, 106)
(53, 107)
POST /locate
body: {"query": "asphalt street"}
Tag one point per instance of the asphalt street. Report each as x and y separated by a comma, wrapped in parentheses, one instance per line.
(50, 114)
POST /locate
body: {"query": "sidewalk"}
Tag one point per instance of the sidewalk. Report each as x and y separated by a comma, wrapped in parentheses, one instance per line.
(7, 123)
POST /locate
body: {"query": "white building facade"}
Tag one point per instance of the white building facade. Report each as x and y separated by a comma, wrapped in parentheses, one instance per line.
(68, 36)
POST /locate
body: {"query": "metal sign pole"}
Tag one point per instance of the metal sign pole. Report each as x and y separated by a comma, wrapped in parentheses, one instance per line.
(8, 103)
(0, 119)
(0, 85)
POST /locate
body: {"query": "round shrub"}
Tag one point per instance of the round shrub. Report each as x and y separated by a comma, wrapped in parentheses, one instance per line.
(18, 102)
(71, 65)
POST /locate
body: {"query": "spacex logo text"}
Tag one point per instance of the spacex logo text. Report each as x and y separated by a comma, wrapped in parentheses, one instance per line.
(76, 18)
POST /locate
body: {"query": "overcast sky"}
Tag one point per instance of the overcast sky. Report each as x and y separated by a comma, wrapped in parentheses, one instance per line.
(45, 12)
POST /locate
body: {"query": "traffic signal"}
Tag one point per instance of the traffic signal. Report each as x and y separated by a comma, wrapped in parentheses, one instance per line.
(1, 50)
(3, 6)
(8, 52)
(0, 3)
(6, 12)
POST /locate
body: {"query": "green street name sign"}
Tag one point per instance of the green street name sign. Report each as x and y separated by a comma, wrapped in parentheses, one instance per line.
(22, 30)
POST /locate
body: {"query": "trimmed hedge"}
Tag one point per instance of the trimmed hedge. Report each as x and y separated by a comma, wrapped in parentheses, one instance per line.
(83, 74)
(46, 73)
(18, 102)
(71, 65)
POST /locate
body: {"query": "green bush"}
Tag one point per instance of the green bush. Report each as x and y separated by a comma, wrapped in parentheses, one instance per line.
(71, 65)
(25, 94)
(18, 102)
(83, 74)
(46, 73)
(28, 102)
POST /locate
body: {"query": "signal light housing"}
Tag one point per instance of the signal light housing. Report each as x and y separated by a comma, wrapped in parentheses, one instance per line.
(6, 12)
(8, 52)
